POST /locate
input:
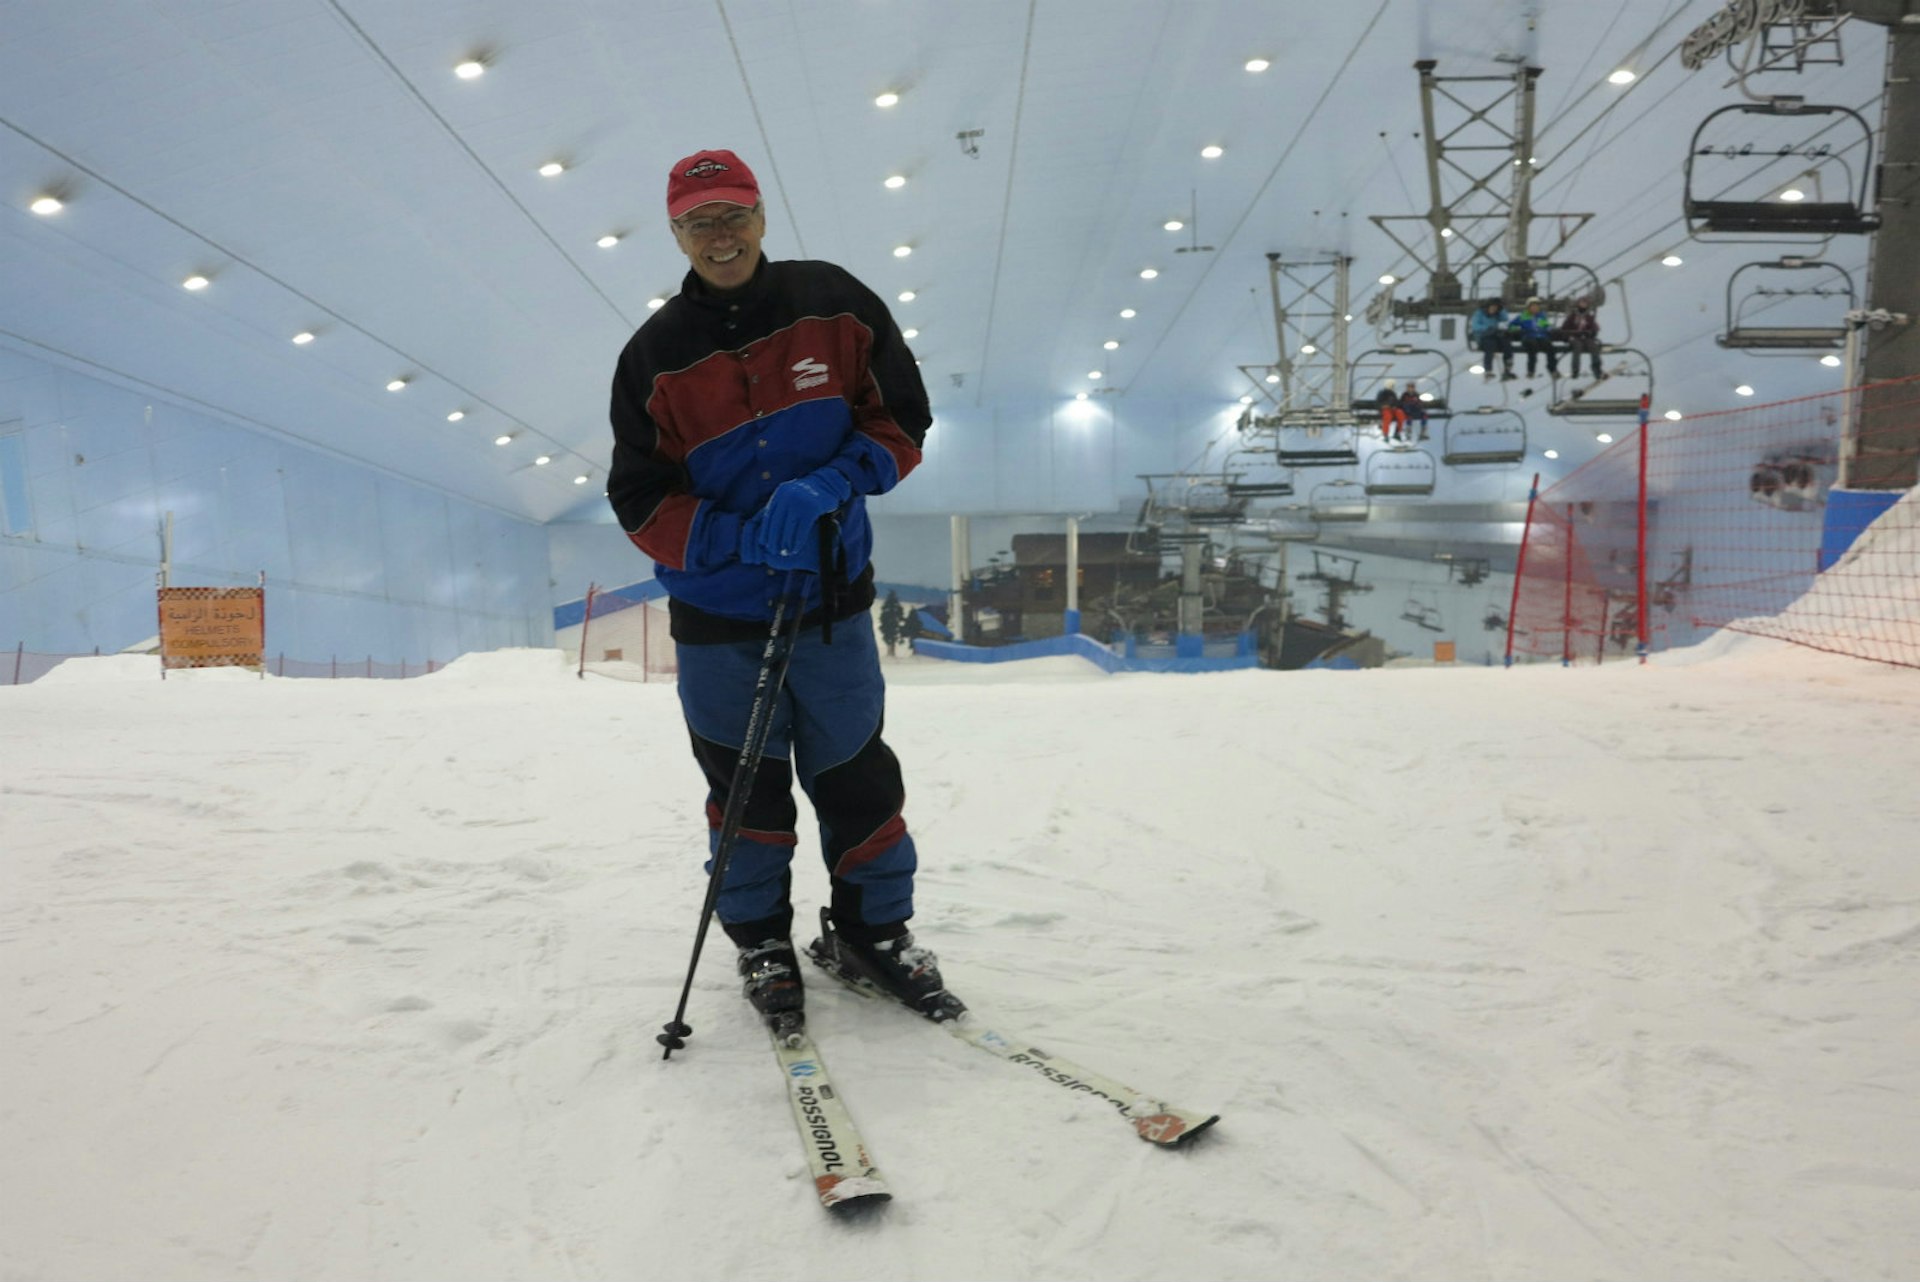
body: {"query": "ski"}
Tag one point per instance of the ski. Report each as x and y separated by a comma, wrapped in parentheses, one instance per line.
(843, 1173)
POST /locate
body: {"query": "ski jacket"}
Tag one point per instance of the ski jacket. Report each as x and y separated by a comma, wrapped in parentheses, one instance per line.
(1581, 322)
(1533, 326)
(719, 398)
(1487, 324)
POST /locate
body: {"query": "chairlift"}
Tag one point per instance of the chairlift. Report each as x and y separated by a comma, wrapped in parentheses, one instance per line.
(1829, 286)
(1342, 500)
(1555, 284)
(1626, 375)
(1486, 436)
(1423, 615)
(1752, 204)
(1321, 441)
(1402, 365)
(1401, 472)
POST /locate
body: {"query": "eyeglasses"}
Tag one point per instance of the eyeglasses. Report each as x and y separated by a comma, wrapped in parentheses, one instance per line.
(706, 228)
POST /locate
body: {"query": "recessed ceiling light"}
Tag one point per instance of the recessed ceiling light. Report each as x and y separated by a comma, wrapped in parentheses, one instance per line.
(1605, 438)
(195, 282)
(1258, 64)
(456, 416)
(1273, 378)
(1673, 416)
(1793, 195)
(1173, 224)
(44, 205)
(1111, 344)
(1672, 260)
(1079, 396)
(1743, 390)
(1388, 279)
(895, 182)
(1830, 361)
(1127, 313)
(887, 99)
(1148, 273)
(607, 242)
(1552, 453)
(901, 251)
(1446, 233)
(471, 69)
(909, 333)
(302, 338)
(543, 460)
(503, 439)
(1476, 369)
(655, 303)
(1308, 349)
(396, 385)
(579, 480)
(1095, 374)
(1624, 76)
(1246, 400)
(1212, 151)
(907, 296)
(552, 169)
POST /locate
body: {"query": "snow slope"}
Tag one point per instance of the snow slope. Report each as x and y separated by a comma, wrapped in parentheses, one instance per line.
(1583, 974)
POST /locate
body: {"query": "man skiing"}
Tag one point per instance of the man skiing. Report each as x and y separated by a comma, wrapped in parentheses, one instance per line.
(766, 398)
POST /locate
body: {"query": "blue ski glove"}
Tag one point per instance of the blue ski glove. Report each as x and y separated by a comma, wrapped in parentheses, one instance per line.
(748, 544)
(787, 522)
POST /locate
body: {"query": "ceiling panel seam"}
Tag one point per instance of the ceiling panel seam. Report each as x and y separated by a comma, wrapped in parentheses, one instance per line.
(1006, 205)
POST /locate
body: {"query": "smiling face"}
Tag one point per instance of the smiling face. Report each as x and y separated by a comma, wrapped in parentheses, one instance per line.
(723, 247)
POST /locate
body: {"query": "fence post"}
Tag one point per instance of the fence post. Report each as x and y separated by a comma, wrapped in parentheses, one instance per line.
(369, 667)
(1520, 566)
(1643, 626)
(1566, 604)
(19, 653)
(585, 620)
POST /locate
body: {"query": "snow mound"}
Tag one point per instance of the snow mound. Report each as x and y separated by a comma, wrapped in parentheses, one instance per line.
(517, 666)
(124, 669)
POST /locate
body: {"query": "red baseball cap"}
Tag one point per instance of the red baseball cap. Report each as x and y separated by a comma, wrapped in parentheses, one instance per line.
(708, 176)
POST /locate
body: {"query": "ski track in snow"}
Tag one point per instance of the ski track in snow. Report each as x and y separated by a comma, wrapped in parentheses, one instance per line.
(1589, 974)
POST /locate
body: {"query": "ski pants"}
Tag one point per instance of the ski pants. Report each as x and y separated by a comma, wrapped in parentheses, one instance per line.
(826, 729)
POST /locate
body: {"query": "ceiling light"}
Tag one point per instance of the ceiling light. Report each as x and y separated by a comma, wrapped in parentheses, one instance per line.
(195, 282)
(1793, 195)
(579, 480)
(1148, 273)
(1127, 313)
(1308, 349)
(1830, 361)
(607, 242)
(456, 416)
(1672, 260)
(1743, 390)
(1258, 64)
(901, 251)
(907, 296)
(1624, 76)
(1173, 224)
(1427, 397)
(1605, 438)
(1095, 374)
(909, 333)
(1673, 416)
(302, 338)
(503, 439)
(1348, 318)
(1246, 400)
(1079, 396)
(396, 385)
(1476, 369)
(655, 303)
(1446, 233)
(886, 99)
(552, 169)
(45, 205)
(543, 460)
(471, 69)
(1388, 279)
(1212, 151)
(1552, 453)
(895, 182)
(1273, 378)
(1111, 344)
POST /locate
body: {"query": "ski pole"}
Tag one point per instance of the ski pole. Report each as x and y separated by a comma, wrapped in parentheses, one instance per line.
(766, 696)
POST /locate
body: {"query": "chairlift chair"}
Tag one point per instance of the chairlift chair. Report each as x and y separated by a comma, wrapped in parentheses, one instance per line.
(1378, 365)
(1627, 369)
(1342, 500)
(1401, 472)
(1721, 216)
(1318, 441)
(1829, 280)
(1488, 435)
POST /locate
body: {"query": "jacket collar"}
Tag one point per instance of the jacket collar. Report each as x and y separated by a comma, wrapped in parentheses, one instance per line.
(698, 292)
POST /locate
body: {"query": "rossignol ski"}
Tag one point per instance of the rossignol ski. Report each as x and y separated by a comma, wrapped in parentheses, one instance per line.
(844, 1175)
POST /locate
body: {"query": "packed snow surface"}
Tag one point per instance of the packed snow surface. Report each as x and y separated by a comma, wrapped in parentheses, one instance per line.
(1574, 974)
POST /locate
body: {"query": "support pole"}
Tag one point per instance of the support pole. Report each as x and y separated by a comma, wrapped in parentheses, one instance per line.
(1071, 624)
(1520, 565)
(962, 559)
(1640, 555)
(1888, 458)
(1566, 603)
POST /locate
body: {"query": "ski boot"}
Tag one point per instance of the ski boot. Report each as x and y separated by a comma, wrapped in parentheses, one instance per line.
(896, 969)
(770, 981)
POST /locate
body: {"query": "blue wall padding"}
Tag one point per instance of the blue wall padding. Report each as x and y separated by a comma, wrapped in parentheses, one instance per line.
(1848, 513)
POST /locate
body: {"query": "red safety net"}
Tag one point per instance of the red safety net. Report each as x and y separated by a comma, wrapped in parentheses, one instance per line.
(624, 636)
(1747, 526)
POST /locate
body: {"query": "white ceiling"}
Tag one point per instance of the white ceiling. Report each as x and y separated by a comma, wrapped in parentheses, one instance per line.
(321, 163)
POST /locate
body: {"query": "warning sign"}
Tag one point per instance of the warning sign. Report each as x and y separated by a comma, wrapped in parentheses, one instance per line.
(212, 627)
